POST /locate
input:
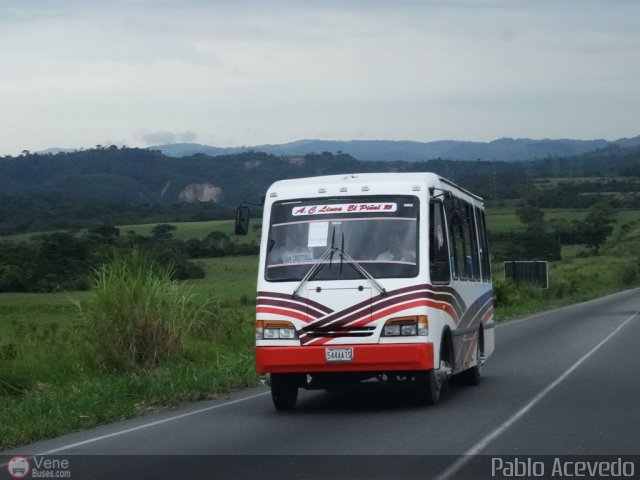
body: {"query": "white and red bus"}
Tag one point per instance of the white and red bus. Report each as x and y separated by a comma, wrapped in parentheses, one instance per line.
(371, 276)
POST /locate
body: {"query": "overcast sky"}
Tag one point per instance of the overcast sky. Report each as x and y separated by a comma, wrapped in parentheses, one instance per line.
(77, 73)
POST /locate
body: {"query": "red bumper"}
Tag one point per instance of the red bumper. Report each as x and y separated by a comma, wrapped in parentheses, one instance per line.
(366, 358)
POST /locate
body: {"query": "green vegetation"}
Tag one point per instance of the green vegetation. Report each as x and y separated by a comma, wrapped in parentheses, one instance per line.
(542, 240)
(199, 230)
(580, 275)
(137, 316)
(184, 231)
(64, 368)
(570, 281)
(64, 260)
(500, 220)
(120, 186)
(45, 212)
(52, 381)
(231, 279)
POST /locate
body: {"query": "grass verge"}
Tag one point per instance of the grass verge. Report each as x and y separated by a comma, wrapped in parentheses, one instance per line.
(53, 382)
(570, 281)
(90, 398)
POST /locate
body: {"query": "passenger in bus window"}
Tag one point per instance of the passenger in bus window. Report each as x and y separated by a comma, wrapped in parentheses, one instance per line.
(397, 250)
(469, 267)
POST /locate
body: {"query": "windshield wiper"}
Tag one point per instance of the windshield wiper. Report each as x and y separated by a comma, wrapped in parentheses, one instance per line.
(314, 269)
(316, 266)
(341, 257)
(329, 254)
(333, 243)
(360, 269)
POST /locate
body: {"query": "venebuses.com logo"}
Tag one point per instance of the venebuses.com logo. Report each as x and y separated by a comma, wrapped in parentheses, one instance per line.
(39, 467)
(18, 467)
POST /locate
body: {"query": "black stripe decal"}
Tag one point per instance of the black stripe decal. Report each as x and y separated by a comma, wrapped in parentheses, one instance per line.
(285, 296)
(291, 306)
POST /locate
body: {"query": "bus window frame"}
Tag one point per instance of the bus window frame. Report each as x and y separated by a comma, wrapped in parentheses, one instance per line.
(485, 259)
(436, 203)
(455, 221)
(354, 198)
(476, 273)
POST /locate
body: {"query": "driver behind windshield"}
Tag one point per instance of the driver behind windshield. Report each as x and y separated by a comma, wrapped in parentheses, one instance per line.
(398, 250)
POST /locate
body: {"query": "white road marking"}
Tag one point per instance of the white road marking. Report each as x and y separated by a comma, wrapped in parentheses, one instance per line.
(152, 424)
(481, 445)
(146, 425)
(556, 309)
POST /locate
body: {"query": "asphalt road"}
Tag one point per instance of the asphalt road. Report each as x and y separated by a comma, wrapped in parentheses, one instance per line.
(564, 382)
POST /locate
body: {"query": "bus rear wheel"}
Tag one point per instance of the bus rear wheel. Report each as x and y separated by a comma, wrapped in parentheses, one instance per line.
(284, 391)
(472, 376)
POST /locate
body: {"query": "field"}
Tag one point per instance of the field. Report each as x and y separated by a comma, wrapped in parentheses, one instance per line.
(504, 220)
(187, 230)
(552, 182)
(230, 280)
(499, 219)
(49, 384)
(184, 230)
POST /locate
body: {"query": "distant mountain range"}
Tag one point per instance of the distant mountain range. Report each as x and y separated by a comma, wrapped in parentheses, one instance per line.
(504, 149)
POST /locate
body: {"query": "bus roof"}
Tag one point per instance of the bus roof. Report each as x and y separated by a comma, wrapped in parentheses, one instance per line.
(424, 179)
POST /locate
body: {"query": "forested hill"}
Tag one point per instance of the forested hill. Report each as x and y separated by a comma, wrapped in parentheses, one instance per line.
(505, 149)
(130, 184)
(142, 176)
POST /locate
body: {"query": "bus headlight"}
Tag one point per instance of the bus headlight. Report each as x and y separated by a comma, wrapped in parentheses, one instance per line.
(275, 330)
(391, 330)
(411, 329)
(406, 326)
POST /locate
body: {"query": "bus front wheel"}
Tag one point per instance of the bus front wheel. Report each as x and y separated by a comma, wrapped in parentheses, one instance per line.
(284, 391)
(429, 386)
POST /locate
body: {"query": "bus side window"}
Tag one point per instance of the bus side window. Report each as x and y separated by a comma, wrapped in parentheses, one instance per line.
(465, 226)
(484, 246)
(439, 265)
(456, 237)
(473, 252)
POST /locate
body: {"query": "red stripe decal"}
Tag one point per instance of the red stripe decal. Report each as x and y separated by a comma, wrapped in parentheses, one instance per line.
(284, 313)
(487, 315)
(472, 349)
(381, 314)
(396, 309)
(291, 306)
(285, 296)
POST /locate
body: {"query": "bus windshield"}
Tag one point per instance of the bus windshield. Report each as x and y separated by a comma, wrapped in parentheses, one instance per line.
(380, 233)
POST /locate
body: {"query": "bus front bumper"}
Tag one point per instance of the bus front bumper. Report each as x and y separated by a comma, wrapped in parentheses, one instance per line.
(366, 358)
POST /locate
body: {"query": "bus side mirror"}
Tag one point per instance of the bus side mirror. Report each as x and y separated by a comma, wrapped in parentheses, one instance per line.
(242, 221)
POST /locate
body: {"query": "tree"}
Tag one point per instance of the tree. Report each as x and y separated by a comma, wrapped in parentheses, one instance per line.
(531, 216)
(163, 231)
(597, 225)
(106, 230)
(539, 245)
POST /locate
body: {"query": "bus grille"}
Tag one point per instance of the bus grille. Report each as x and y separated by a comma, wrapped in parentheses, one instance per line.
(332, 332)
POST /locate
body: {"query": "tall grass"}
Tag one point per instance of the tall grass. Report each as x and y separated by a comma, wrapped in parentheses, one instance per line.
(137, 316)
(141, 342)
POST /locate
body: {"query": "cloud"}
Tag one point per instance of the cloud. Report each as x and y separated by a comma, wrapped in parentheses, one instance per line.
(165, 137)
(248, 72)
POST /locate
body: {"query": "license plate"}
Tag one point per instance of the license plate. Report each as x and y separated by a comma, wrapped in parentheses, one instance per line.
(339, 354)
